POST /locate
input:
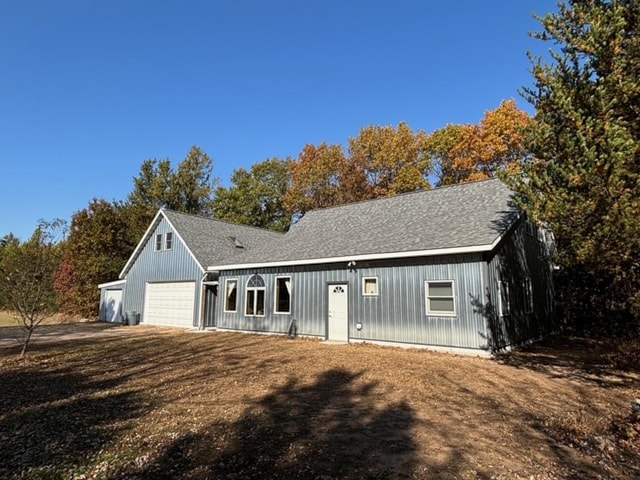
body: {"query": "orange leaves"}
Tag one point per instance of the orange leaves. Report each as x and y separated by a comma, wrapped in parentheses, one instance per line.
(324, 177)
(388, 160)
(394, 160)
(474, 152)
(382, 161)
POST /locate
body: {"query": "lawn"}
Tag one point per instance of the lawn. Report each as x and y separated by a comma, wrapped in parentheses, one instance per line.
(145, 403)
(6, 320)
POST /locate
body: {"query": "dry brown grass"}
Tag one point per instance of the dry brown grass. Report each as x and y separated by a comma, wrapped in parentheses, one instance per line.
(8, 320)
(148, 403)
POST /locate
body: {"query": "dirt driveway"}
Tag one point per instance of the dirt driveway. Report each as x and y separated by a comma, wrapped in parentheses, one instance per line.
(106, 402)
(9, 336)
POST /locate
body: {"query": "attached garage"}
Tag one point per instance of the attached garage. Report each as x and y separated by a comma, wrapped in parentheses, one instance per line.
(170, 304)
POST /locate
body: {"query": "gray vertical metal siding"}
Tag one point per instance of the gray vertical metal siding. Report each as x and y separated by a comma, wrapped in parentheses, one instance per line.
(397, 314)
(520, 256)
(176, 264)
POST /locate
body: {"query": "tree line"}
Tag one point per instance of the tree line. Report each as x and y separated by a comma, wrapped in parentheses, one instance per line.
(575, 166)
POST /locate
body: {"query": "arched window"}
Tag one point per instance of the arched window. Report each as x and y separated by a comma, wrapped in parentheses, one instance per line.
(255, 296)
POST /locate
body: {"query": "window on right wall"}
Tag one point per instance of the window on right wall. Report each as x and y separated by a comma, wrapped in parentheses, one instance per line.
(527, 291)
(370, 286)
(231, 296)
(440, 297)
(504, 305)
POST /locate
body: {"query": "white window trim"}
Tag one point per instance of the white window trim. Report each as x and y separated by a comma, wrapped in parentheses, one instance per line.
(426, 298)
(364, 290)
(168, 246)
(275, 296)
(157, 246)
(502, 311)
(255, 298)
(528, 295)
(227, 280)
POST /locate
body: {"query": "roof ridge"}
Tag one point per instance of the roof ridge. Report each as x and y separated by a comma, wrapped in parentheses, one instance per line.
(202, 217)
(406, 194)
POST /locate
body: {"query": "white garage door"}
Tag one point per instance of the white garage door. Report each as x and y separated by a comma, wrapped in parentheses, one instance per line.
(169, 304)
(113, 304)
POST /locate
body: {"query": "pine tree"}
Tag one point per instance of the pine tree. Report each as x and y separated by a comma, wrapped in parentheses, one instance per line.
(583, 179)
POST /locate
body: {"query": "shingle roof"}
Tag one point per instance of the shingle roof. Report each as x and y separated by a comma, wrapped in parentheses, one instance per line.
(473, 215)
(210, 241)
(213, 241)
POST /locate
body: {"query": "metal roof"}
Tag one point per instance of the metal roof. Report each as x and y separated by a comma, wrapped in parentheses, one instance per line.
(470, 217)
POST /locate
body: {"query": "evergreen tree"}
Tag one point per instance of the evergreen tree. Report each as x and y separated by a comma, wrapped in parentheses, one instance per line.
(584, 178)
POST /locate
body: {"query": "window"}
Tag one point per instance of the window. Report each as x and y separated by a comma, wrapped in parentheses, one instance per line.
(527, 295)
(230, 296)
(549, 304)
(158, 242)
(370, 286)
(255, 296)
(283, 295)
(504, 305)
(168, 240)
(440, 298)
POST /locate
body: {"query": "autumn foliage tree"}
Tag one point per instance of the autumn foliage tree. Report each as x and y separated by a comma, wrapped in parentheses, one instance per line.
(97, 248)
(381, 161)
(584, 180)
(393, 160)
(324, 177)
(465, 153)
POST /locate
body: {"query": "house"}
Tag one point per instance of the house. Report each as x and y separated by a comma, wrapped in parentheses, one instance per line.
(165, 279)
(458, 268)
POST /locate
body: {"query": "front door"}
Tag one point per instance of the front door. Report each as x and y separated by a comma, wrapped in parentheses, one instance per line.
(338, 325)
(210, 299)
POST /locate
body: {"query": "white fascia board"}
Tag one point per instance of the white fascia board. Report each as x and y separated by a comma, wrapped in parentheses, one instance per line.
(141, 244)
(373, 256)
(115, 283)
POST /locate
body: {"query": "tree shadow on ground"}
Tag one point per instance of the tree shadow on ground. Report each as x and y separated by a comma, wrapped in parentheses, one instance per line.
(574, 358)
(333, 428)
(53, 420)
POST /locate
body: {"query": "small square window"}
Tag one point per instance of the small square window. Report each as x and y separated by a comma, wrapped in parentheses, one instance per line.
(440, 298)
(370, 286)
(158, 242)
(168, 241)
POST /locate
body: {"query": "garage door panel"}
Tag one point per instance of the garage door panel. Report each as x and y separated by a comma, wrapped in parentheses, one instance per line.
(169, 304)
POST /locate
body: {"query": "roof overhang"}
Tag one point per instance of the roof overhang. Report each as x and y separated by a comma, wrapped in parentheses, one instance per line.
(115, 283)
(365, 257)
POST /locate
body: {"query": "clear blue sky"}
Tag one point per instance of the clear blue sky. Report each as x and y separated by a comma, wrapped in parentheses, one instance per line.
(90, 89)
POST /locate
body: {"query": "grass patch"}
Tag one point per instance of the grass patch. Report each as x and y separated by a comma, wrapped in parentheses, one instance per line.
(119, 402)
(6, 320)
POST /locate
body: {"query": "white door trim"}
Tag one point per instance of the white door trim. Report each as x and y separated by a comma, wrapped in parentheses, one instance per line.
(338, 312)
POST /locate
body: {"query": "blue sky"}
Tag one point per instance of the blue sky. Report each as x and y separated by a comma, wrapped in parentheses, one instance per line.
(89, 89)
